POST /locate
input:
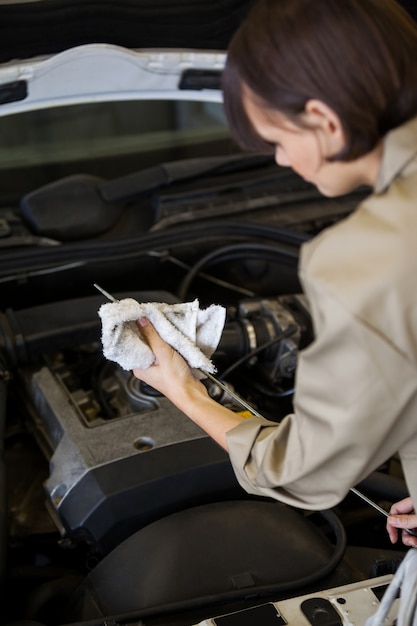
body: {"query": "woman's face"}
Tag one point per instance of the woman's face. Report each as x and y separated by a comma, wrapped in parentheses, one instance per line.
(306, 149)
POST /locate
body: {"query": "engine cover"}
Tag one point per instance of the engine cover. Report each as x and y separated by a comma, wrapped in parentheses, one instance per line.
(113, 473)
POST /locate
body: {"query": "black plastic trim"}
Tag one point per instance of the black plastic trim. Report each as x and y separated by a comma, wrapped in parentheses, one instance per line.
(13, 92)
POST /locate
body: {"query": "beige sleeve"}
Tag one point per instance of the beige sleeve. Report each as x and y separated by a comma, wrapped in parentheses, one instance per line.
(354, 392)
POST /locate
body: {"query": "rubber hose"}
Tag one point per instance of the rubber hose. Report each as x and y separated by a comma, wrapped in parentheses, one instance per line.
(245, 250)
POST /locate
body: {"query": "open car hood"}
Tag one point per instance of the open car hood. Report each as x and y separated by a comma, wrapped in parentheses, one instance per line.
(103, 72)
(56, 52)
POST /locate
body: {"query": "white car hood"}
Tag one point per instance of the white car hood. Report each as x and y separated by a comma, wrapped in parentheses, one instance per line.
(104, 72)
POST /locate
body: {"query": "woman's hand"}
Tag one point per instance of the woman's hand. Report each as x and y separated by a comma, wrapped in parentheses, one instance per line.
(402, 516)
(170, 373)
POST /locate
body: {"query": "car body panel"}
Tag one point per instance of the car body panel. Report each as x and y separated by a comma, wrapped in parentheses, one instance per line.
(100, 72)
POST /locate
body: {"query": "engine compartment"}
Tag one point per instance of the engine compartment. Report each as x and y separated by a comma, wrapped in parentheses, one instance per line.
(97, 462)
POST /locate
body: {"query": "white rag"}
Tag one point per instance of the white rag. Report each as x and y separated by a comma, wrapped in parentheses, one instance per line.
(191, 331)
(404, 584)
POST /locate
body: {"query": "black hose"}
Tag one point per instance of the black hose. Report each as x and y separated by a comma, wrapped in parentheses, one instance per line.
(247, 357)
(232, 252)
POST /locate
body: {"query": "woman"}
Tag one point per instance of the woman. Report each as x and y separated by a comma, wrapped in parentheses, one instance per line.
(330, 87)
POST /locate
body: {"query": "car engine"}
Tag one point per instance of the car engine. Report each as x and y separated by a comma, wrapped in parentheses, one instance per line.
(115, 507)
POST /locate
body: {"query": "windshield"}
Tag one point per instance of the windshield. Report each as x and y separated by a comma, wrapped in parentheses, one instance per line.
(105, 139)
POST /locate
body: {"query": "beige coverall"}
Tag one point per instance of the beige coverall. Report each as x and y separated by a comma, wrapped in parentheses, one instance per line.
(356, 390)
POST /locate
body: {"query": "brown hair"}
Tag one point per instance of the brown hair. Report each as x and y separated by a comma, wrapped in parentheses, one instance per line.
(357, 56)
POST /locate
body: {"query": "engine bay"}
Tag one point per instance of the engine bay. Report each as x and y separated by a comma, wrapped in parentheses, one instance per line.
(97, 461)
(117, 509)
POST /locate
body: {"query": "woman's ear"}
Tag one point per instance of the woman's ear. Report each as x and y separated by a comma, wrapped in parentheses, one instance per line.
(322, 117)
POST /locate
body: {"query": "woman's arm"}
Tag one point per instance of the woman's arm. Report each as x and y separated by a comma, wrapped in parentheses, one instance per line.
(347, 420)
(172, 377)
